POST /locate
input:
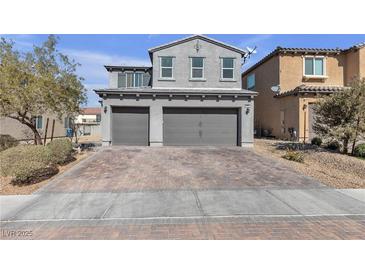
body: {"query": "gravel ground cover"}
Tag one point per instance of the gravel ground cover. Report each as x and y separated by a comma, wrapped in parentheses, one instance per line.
(333, 169)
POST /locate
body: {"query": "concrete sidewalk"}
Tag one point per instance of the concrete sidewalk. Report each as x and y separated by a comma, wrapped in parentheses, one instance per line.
(181, 204)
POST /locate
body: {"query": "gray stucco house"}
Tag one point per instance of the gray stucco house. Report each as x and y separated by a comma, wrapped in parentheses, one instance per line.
(192, 95)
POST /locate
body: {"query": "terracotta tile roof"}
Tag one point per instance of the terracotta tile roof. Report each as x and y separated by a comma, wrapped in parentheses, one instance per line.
(90, 111)
(303, 51)
(357, 46)
(311, 89)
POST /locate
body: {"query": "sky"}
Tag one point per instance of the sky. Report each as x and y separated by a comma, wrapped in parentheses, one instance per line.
(95, 51)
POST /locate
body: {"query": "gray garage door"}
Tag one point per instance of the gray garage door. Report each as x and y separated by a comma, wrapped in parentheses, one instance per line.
(130, 126)
(200, 126)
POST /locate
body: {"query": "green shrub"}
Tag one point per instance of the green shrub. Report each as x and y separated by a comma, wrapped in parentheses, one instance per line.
(316, 141)
(7, 141)
(360, 150)
(30, 153)
(25, 172)
(26, 163)
(295, 156)
(60, 150)
(333, 145)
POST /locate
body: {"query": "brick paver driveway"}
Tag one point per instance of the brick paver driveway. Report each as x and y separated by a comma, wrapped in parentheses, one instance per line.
(183, 193)
(146, 168)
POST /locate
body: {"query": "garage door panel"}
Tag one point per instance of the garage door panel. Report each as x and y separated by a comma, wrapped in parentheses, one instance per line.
(200, 126)
(130, 126)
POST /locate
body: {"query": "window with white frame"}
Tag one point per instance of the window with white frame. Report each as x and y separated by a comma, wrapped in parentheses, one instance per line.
(134, 80)
(197, 67)
(138, 79)
(166, 67)
(251, 81)
(227, 68)
(314, 66)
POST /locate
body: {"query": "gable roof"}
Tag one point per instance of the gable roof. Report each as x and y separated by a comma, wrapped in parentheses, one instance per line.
(193, 37)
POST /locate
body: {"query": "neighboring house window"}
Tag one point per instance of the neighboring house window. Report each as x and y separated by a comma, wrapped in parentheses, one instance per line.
(314, 66)
(39, 122)
(227, 68)
(197, 67)
(84, 120)
(68, 122)
(166, 67)
(98, 118)
(134, 80)
(251, 81)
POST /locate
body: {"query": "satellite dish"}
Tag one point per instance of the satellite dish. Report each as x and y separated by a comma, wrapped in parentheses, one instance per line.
(252, 50)
(275, 89)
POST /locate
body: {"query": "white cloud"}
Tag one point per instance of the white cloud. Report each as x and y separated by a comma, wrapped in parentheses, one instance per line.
(257, 39)
(92, 63)
(93, 71)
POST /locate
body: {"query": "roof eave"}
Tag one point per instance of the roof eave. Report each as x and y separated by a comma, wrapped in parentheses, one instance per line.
(280, 50)
(189, 38)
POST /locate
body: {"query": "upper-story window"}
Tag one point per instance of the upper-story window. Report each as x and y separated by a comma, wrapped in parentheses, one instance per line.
(134, 80)
(166, 67)
(314, 66)
(227, 69)
(251, 81)
(197, 67)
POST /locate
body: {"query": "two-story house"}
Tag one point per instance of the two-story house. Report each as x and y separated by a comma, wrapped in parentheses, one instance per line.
(88, 121)
(290, 80)
(191, 95)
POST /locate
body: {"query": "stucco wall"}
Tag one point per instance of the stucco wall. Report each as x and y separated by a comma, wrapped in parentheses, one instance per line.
(303, 116)
(290, 106)
(291, 72)
(362, 62)
(22, 132)
(352, 66)
(212, 66)
(266, 107)
(287, 70)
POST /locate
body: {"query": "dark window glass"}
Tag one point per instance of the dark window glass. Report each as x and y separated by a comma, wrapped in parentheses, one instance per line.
(309, 66)
(228, 73)
(228, 63)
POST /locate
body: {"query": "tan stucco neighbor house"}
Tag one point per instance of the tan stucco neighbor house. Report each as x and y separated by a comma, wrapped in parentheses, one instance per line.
(301, 75)
(21, 132)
